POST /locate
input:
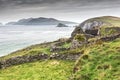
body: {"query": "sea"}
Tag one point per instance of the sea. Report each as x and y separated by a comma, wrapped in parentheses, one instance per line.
(13, 38)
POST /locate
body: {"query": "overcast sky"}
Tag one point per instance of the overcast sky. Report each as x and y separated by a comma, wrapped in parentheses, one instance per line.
(70, 10)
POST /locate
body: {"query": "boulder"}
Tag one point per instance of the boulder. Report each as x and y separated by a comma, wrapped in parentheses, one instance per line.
(89, 25)
(77, 30)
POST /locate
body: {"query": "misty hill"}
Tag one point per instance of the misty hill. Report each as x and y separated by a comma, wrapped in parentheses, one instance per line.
(39, 21)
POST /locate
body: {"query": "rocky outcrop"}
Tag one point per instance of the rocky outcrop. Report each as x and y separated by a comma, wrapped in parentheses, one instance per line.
(79, 40)
(61, 25)
(56, 47)
(88, 25)
(93, 32)
(92, 26)
(75, 44)
(78, 30)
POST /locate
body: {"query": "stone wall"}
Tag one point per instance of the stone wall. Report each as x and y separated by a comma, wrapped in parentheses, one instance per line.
(31, 58)
(22, 59)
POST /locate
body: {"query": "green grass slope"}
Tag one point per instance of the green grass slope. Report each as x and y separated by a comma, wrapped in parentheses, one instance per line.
(41, 70)
(99, 62)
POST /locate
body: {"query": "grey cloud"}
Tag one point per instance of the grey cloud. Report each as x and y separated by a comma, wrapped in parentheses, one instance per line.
(12, 9)
(13, 4)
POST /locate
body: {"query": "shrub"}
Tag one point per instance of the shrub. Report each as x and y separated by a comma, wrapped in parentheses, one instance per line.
(80, 37)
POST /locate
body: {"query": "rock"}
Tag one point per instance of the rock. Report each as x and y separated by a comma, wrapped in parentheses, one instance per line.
(57, 48)
(93, 26)
(75, 44)
(90, 25)
(61, 25)
(93, 32)
(78, 30)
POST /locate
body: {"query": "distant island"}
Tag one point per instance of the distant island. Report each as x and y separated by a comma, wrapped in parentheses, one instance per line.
(39, 21)
(61, 25)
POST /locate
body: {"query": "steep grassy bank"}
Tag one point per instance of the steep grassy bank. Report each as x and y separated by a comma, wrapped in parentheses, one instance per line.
(99, 62)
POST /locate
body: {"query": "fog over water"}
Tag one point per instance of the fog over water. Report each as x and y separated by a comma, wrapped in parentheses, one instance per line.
(13, 38)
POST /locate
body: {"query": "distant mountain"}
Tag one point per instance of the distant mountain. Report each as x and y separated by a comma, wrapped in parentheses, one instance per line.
(10, 23)
(39, 21)
(61, 25)
(1, 24)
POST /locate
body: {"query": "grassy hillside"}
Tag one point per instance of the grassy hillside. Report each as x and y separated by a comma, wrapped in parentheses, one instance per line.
(41, 70)
(99, 62)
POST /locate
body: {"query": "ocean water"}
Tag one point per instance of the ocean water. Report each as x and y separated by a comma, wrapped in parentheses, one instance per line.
(13, 38)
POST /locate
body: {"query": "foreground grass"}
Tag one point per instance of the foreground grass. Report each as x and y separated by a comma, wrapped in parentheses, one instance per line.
(41, 70)
(100, 62)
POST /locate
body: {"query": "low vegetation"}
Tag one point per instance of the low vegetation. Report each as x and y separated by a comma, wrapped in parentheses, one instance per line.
(98, 59)
(99, 62)
(80, 37)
